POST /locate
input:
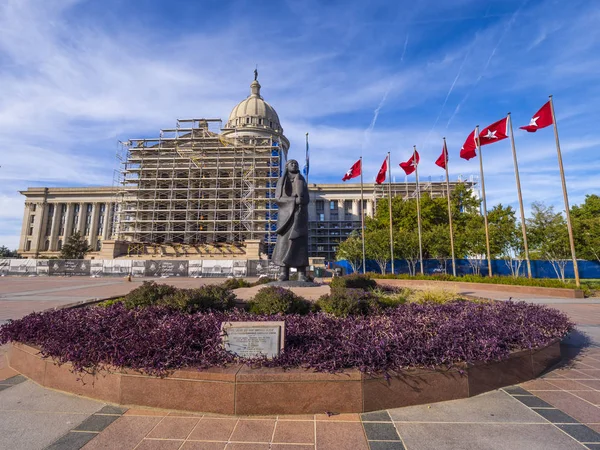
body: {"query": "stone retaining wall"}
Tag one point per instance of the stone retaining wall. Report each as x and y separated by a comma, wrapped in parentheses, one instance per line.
(241, 390)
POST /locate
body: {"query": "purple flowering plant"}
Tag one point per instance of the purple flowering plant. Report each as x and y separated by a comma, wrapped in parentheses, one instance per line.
(157, 340)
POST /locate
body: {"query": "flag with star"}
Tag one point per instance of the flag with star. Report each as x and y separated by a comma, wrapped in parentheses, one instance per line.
(494, 133)
(468, 149)
(411, 165)
(443, 158)
(353, 172)
(541, 119)
(381, 175)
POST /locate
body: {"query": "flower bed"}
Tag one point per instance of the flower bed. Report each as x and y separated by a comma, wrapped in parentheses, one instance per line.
(157, 340)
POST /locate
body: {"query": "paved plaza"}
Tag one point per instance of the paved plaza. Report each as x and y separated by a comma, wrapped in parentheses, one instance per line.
(560, 410)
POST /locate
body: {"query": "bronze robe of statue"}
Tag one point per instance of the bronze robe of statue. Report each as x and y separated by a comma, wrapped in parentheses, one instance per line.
(291, 249)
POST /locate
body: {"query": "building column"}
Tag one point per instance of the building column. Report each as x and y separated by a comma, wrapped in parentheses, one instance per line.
(93, 238)
(107, 222)
(355, 213)
(25, 226)
(369, 208)
(38, 226)
(80, 221)
(312, 209)
(55, 226)
(327, 211)
(68, 221)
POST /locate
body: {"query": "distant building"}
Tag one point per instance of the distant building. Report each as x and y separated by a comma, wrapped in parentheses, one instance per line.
(198, 190)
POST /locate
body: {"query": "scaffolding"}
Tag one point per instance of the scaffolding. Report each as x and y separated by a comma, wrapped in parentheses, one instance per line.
(195, 191)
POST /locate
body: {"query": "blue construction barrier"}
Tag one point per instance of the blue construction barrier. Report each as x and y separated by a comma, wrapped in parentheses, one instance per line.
(539, 268)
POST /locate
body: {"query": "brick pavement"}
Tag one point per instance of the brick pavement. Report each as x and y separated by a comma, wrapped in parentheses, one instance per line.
(560, 410)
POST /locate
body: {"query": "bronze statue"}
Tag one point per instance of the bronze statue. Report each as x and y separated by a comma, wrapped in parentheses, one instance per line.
(291, 249)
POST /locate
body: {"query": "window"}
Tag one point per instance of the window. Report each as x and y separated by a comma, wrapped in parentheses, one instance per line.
(30, 233)
(88, 218)
(33, 205)
(63, 219)
(101, 219)
(31, 219)
(98, 245)
(47, 245)
(347, 207)
(75, 216)
(28, 246)
(320, 204)
(49, 219)
(59, 245)
(321, 217)
(247, 119)
(333, 205)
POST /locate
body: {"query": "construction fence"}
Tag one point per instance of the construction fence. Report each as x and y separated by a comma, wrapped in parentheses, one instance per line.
(137, 268)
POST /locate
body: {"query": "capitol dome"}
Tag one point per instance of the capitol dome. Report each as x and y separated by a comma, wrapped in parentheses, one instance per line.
(254, 116)
(254, 112)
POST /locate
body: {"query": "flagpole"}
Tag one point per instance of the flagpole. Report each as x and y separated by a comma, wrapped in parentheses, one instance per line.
(418, 208)
(306, 162)
(362, 217)
(523, 226)
(485, 217)
(565, 195)
(390, 208)
(449, 209)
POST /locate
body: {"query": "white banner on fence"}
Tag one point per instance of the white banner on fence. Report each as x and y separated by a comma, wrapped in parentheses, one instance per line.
(217, 268)
(116, 267)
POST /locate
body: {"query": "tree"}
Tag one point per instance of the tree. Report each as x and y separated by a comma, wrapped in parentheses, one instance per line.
(75, 247)
(351, 251)
(377, 247)
(406, 246)
(549, 237)
(5, 252)
(436, 243)
(470, 241)
(586, 228)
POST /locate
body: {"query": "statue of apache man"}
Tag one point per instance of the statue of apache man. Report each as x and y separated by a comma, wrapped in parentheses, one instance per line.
(291, 249)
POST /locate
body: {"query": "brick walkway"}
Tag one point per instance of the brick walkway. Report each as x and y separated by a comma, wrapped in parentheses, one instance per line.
(560, 410)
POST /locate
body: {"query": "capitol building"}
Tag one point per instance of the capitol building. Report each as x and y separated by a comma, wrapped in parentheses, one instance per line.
(202, 189)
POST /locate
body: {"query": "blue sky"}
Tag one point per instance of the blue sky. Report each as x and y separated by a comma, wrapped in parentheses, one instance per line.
(360, 77)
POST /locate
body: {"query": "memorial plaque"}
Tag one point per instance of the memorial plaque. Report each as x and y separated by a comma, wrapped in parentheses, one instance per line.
(253, 339)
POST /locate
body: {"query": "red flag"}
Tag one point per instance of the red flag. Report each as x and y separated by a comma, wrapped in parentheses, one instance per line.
(494, 133)
(443, 159)
(541, 119)
(353, 172)
(411, 165)
(381, 175)
(468, 149)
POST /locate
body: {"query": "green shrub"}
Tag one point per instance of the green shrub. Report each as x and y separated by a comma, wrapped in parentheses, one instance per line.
(235, 283)
(205, 298)
(149, 293)
(587, 286)
(353, 281)
(110, 302)
(392, 297)
(343, 302)
(277, 300)
(433, 295)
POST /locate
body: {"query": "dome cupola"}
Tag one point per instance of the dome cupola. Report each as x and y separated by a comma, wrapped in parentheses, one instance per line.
(254, 113)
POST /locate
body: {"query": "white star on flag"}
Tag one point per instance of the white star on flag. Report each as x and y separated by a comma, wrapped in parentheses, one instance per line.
(349, 173)
(491, 134)
(533, 122)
